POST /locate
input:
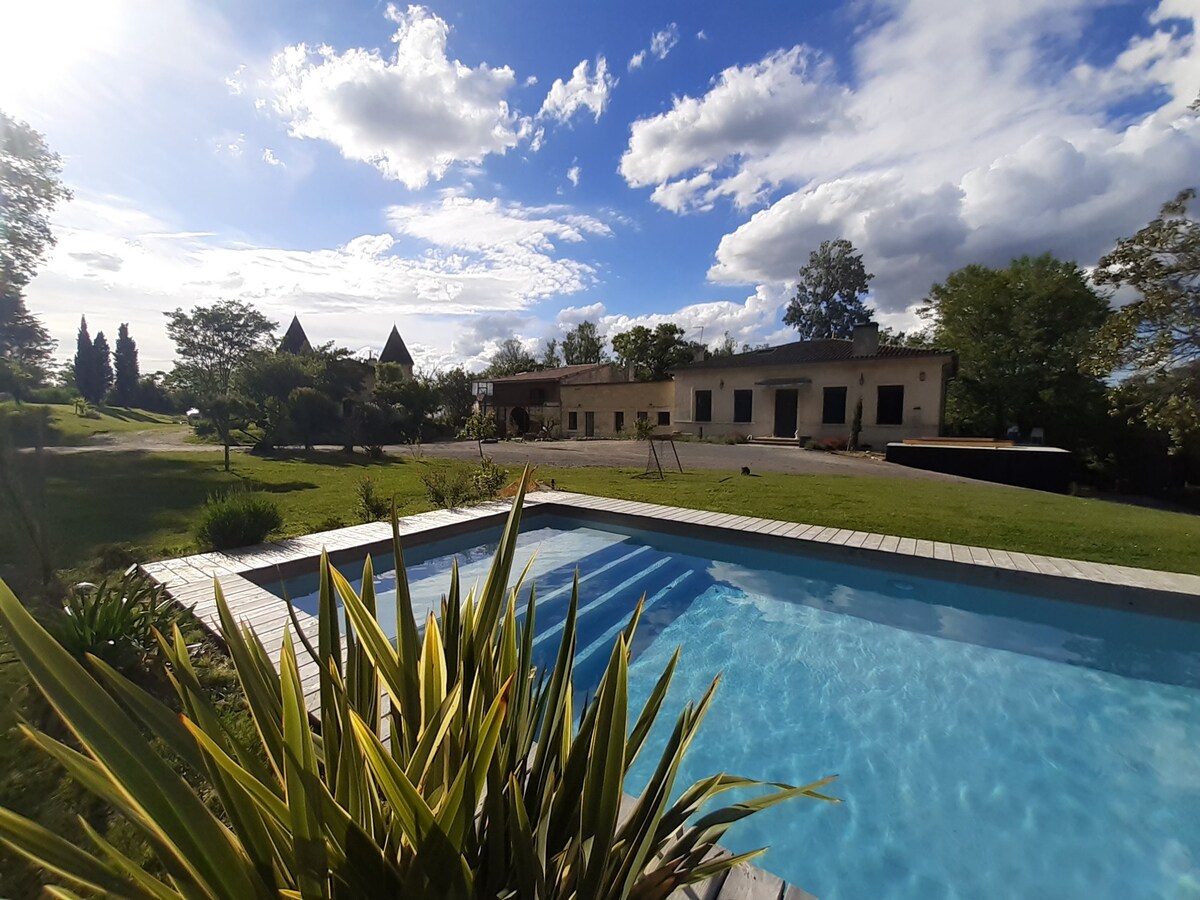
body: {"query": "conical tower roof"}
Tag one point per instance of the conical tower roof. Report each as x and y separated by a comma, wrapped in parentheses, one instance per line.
(295, 340)
(394, 350)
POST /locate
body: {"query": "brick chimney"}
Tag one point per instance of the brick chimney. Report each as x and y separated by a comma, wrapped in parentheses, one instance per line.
(866, 339)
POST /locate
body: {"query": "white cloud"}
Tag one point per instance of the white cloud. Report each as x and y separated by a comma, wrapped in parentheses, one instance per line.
(636, 61)
(663, 42)
(582, 91)
(269, 157)
(754, 320)
(751, 112)
(701, 36)
(235, 82)
(233, 145)
(573, 174)
(475, 257)
(412, 115)
(961, 133)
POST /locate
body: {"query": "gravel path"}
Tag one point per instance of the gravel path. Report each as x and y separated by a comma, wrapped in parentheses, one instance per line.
(693, 455)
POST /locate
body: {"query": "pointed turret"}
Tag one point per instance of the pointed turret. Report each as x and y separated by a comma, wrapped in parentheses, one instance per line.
(394, 351)
(295, 340)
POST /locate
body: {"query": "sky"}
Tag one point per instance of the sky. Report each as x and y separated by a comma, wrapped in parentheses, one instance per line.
(472, 171)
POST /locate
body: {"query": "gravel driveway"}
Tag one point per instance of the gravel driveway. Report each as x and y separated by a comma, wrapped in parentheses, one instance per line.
(693, 455)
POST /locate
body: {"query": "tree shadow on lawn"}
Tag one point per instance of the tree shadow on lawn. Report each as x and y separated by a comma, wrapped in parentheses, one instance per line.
(142, 498)
(278, 487)
(130, 415)
(333, 458)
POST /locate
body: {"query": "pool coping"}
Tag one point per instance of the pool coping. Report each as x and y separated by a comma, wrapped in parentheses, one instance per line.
(189, 580)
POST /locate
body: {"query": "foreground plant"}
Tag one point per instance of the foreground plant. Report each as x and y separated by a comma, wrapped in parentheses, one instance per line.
(116, 620)
(444, 764)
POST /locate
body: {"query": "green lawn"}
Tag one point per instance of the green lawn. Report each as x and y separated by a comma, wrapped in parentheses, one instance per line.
(149, 501)
(66, 429)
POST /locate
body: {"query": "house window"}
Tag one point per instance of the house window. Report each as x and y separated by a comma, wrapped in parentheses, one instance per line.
(889, 408)
(703, 406)
(743, 406)
(834, 410)
(664, 417)
(572, 421)
(619, 421)
(642, 416)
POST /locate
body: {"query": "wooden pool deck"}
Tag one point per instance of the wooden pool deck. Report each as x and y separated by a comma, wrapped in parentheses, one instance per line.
(242, 574)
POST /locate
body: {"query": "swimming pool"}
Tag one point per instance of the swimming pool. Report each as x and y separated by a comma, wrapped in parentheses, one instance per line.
(988, 743)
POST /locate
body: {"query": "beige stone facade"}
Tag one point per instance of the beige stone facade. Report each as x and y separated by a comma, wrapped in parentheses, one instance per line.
(610, 410)
(809, 390)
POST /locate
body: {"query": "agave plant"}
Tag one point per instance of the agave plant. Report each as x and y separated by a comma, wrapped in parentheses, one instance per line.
(115, 620)
(443, 763)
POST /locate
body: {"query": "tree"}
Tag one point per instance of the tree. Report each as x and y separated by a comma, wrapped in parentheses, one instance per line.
(727, 347)
(266, 380)
(512, 359)
(30, 188)
(102, 370)
(583, 344)
(1157, 337)
(653, 354)
(211, 344)
(125, 361)
(413, 401)
(312, 413)
(85, 363)
(900, 338)
(1022, 335)
(25, 345)
(828, 301)
(479, 427)
(455, 396)
(550, 357)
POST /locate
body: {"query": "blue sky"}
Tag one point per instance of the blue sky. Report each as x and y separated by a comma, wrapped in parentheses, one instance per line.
(475, 170)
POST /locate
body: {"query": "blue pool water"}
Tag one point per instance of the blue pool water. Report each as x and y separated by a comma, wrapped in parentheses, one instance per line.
(988, 744)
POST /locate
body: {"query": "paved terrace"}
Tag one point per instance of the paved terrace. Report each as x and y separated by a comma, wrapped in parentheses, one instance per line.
(190, 581)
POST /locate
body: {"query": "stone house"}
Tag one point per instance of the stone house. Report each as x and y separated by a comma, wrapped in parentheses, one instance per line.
(809, 390)
(610, 409)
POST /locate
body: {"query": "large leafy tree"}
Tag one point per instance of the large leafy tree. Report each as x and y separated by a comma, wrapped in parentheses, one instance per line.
(265, 381)
(1157, 337)
(125, 363)
(30, 188)
(211, 344)
(511, 358)
(653, 354)
(550, 355)
(455, 396)
(583, 344)
(1023, 336)
(828, 301)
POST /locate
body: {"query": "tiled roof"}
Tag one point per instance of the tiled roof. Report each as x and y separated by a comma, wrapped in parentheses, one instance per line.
(558, 374)
(804, 352)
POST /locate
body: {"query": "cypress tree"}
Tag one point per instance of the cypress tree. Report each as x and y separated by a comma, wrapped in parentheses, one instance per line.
(125, 359)
(85, 369)
(102, 363)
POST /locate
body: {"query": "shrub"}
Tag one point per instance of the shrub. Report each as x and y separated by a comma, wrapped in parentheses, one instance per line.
(448, 487)
(487, 479)
(643, 428)
(459, 485)
(237, 519)
(52, 394)
(115, 621)
(492, 783)
(370, 503)
(479, 427)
